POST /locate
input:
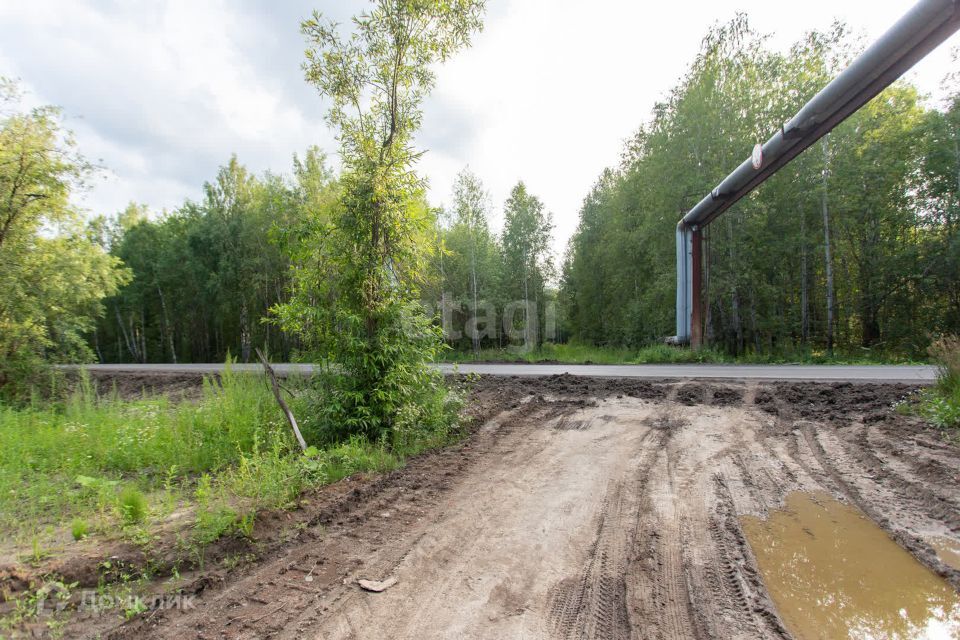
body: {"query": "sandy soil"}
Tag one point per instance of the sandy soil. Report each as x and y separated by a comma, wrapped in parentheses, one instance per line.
(581, 508)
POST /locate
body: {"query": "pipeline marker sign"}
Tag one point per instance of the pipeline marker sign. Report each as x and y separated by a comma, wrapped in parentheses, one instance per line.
(757, 156)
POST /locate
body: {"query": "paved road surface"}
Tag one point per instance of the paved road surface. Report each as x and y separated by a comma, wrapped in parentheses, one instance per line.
(822, 373)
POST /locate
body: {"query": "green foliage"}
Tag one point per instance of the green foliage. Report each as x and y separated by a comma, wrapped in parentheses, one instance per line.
(580, 353)
(269, 476)
(68, 460)
(941, 405)
(945, 351)
(493, 290)
(133, 505)
(346, 458)
(526, 259)
(233, 250)
(883, 189)
(100, 462)
(571, 353)
(79, 528)
(356, 302)
(943, 410)
(52, 277)
(214, 517)
(467, 266)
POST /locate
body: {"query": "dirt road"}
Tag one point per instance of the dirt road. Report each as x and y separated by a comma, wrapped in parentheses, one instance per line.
(585, 508)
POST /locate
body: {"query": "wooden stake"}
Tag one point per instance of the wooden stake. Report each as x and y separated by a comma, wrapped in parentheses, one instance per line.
(276, 393)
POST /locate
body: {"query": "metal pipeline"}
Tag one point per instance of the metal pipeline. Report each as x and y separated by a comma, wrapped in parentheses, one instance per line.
(921, 30)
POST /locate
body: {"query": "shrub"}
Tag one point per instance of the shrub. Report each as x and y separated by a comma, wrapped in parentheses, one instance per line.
(942, 403)
(80, 528)
(133, 505)
(945, 351)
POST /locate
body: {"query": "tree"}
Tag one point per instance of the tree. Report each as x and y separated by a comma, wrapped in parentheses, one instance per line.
(233, 251)
(470, 201)
(53, 277)
(886, 196)
(471, 258)
(369, 262)
(526, 257)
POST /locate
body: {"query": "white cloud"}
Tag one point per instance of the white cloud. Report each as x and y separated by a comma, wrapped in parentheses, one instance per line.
(163, 92)
(162, 96)
(553, 88)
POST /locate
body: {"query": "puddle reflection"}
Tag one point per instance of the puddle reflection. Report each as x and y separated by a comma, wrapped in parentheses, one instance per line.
(833, 573)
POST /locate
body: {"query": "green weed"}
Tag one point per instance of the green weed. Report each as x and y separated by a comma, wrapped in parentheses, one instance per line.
(79, 528)
(578, 353)
(65, 460)
(941, 404)
(96, 461)
(133, 505)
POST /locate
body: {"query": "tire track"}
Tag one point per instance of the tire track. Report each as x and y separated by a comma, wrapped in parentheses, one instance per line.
(594, 603)
(589, 510)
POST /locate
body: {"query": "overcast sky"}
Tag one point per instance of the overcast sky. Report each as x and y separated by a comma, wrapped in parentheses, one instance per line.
(162, 92)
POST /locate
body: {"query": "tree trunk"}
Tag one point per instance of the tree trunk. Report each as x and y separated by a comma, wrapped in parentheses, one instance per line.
(283, 405)
(96, 345)
(166, 325)
(143, 336)
(443, 299)
(828, 261)
(128, 337)
(956, 153)
(473, 277)
(804, 284)
(526, 309)
(245, 337)
(737, 328)
(871, 325)
(707, 302)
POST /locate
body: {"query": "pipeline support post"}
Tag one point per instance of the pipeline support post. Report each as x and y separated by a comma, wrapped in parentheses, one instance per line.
(696, 271)
(689, 267)
(684, 285)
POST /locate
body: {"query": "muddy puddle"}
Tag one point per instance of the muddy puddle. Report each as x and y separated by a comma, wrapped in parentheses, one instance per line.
(833, 573)
(947, 550)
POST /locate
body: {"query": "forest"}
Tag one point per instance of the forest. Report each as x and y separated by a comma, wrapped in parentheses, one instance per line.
(855, 246)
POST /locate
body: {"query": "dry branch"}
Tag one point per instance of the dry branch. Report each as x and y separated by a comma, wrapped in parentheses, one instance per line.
(276, 393)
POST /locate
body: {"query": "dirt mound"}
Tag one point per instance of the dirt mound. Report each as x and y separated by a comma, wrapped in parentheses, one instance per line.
(130, 385)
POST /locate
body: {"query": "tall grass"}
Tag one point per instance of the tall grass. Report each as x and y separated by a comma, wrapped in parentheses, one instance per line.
(61, 461)
(570, 353)
(579, 353)
(942, 404)
(97, 458)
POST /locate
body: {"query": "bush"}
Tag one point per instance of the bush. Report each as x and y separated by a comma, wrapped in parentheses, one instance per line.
(79, 528)
(942, 403)
(94, 458)
(945, 351)
(133, 505)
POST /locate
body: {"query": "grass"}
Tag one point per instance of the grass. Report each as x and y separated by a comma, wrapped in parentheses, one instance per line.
(95, 466)
(133, 505)
(941, 403)
(578, 353)
(93, 454)
(79, 528)
(98, 464)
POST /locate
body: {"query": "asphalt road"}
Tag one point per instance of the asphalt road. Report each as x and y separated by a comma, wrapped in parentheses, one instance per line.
(822, 373)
